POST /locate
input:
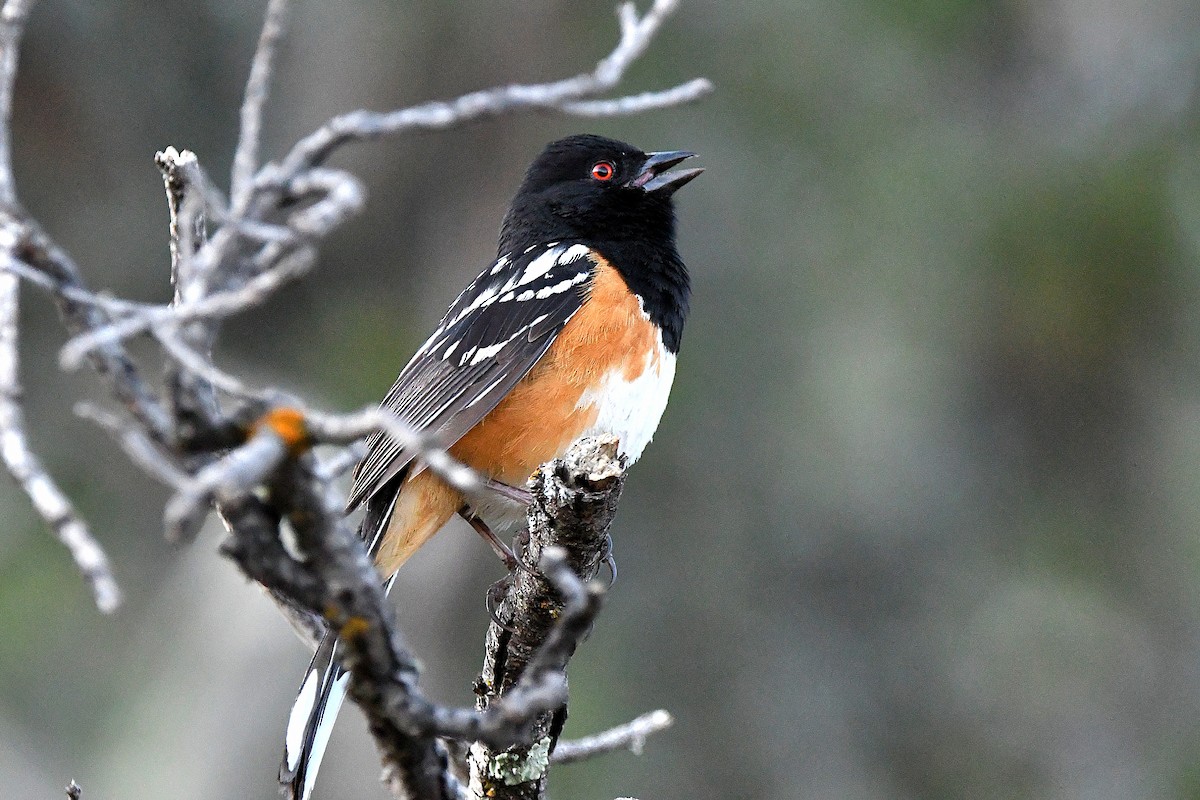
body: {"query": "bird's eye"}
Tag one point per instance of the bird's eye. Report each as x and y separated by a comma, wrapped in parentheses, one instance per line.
(603, 170)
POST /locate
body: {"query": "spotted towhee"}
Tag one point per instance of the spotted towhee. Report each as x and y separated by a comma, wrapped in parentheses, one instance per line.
(572, 331)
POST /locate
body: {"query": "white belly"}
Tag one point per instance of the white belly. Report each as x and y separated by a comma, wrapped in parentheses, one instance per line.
(631, 410)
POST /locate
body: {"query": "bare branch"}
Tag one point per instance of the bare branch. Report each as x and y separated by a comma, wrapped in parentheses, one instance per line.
(223, 480)
(344, 197)
(27, 243)
(337, 580)
(216, 306)
(333, 429)
(636, 34)
(47, 499)
(191, 198)
(136, 445)
(637, 103)
(245, 159)
(105, 304)
(202, 368)
(574, 502)
(12, 26)
(630, 736)
(635, 37)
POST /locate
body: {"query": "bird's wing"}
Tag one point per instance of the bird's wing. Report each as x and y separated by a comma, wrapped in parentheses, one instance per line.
(494, 332)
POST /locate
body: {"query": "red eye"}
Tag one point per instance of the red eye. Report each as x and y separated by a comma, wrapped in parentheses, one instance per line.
(603, 171)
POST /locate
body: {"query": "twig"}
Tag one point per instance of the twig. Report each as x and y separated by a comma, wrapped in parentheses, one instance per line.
(136, 445)
(223, 480)
(47, 499)
(191, 201)
(630, 736)
(12, 25)
(23, 238)
(341, 429)
(637, 103)
(213, 307)
(202, 368)
(636, 34)
(111, 306)
(245, 159)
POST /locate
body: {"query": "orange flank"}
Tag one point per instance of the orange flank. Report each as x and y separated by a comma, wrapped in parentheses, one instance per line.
(540, 417)
(424, 505)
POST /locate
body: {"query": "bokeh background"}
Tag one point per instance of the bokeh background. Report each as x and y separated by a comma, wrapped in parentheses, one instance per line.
(923, 518)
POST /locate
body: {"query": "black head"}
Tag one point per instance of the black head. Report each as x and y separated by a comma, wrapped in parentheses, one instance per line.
(617, 200)
(594, 190)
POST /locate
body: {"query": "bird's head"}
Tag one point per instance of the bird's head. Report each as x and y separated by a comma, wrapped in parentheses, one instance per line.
(593, 189)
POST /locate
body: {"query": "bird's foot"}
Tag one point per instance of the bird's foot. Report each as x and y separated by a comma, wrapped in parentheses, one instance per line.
(495, 597)
(606, 560)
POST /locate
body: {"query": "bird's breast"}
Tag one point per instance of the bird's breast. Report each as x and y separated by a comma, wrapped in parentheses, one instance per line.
(606, 372)
(629, 401)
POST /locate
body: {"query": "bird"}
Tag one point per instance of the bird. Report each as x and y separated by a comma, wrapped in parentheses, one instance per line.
(572, 331)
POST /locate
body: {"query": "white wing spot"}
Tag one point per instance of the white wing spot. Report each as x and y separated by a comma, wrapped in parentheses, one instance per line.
(573, 253)
(484, 353)
(501, 263)
(539, 267)
(485, 299)
(449, 351)
(562, 286)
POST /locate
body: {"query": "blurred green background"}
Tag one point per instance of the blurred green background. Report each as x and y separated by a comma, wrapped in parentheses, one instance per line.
(923, 518)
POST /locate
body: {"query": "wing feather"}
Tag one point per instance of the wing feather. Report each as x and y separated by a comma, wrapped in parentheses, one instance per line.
(492, 335)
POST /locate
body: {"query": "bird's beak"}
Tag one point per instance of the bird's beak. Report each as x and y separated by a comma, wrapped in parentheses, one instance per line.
(654, 178)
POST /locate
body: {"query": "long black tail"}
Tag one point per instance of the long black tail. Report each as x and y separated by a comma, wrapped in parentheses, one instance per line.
(326, 683)
(311, 721)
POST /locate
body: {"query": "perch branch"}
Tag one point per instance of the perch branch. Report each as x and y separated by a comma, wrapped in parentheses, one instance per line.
(575, 499)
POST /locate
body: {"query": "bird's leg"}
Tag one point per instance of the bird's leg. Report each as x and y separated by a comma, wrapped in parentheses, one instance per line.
(500, 548)
(514, 493)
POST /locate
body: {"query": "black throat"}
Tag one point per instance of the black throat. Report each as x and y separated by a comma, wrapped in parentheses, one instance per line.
(657, 275)
(642, 251)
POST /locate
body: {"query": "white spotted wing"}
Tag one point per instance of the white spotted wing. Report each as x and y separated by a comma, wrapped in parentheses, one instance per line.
(492, 335)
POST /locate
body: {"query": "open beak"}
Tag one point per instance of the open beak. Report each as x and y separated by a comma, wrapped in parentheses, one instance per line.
(653, 176)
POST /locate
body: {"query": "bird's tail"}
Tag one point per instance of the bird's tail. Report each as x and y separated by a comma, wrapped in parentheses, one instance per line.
(311, 720)
(326, 683)
(313, 715)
